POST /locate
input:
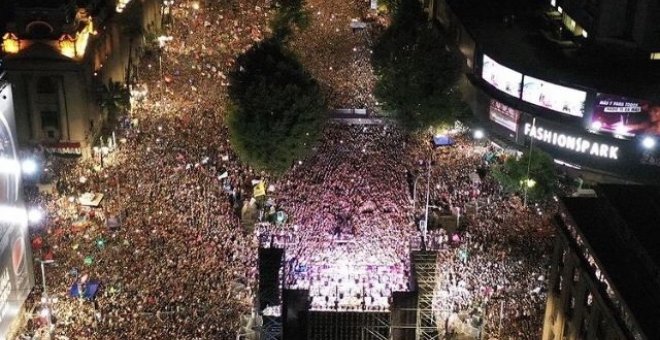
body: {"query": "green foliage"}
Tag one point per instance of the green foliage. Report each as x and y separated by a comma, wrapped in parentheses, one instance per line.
(513, 173)
(416, 71)
(291, 14)
(278, 110)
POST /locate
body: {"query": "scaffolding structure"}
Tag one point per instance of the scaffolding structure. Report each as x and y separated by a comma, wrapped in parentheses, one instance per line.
(424, 271)
(272, 328)
(270, 292)
(348, 325)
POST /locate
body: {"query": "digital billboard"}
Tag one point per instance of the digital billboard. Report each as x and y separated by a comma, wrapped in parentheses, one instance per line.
(625, 116)
(16, 275)
(503, 115)
(501, 77)
(554, 97)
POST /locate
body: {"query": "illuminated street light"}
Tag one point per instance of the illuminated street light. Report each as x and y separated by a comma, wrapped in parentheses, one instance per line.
(478, 134)
(29, 166)
(35, 215)
(648, 143)
(529, 183)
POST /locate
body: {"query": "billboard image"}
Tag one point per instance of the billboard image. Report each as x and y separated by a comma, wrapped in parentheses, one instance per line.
(503, 115)
(501, 77)
(625, 116)
(554, 97)
(16, 278)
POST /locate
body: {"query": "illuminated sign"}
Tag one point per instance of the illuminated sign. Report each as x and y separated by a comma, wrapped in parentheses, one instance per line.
(554, 97)
(625, 116)
(10, 43)
(576, 144)
(501, 77)
(16, 278)
(504, 115)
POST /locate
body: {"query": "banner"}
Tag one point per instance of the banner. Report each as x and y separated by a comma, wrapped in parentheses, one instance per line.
(554, 97)
(501, 77)
(504, 115)
(259, 189)
(625, 116)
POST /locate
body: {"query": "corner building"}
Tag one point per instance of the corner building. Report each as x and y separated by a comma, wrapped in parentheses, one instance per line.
(64, 58)
(604, 279)
(579, 78)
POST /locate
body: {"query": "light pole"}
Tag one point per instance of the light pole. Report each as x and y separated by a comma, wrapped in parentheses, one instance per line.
(43, 272)
(428, 191)
(162, 40)
(529, 162)
(46, 312)
(415, 192)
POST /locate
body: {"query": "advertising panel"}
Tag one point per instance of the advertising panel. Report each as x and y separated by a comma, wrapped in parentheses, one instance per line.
(554, 97)
(625, 116)
(503, 115)
(16, 278)
(501, 77)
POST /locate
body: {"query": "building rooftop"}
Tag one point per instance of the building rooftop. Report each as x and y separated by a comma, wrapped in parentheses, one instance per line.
(525, 43)
(621, 229)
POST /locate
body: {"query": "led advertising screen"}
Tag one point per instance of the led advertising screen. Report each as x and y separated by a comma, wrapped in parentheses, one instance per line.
(554, 97)
(502, 77)
(16, 278)
(625, 116)
(504, 115)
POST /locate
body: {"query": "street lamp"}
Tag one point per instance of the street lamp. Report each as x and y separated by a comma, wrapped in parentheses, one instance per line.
(527, 184)
(162, 40)
(478, 134)
(415, 192)
(35, 215)
(29, 166)
(648, 143)
(46, 311)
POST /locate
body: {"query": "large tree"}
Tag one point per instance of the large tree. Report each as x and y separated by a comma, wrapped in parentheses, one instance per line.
(277, 109)
(541, 182)
(417, 71)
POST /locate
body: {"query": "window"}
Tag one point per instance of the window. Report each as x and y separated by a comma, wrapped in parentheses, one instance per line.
(655, 56)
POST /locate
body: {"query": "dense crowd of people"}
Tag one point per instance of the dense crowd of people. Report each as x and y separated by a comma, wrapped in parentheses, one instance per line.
(176, 263)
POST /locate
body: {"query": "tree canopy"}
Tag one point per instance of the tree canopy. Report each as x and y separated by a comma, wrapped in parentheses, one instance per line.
(417, 71)
(542, 180)
(277, 108)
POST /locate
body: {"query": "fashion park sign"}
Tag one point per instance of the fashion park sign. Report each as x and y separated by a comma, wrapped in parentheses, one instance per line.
(576, 144)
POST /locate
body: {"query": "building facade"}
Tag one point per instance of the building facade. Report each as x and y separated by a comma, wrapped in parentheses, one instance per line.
(557, 75)
(64, 59)
(16, 272)
(604, 278)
